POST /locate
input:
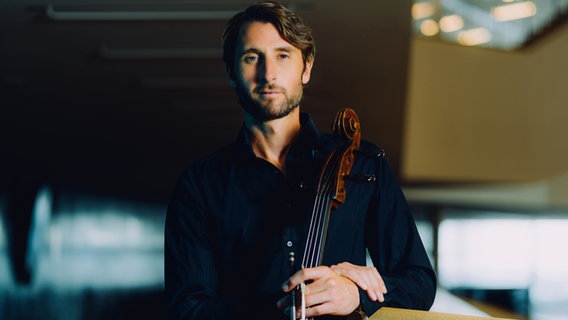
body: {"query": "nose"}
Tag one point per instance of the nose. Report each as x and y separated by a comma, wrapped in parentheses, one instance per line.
(268, 71)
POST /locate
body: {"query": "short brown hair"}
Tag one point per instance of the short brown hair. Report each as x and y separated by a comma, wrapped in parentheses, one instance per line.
(290, 27)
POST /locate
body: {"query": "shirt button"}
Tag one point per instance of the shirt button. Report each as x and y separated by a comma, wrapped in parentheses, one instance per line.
(289, 244)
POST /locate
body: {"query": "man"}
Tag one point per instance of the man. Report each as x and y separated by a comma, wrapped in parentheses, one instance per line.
(237, 215)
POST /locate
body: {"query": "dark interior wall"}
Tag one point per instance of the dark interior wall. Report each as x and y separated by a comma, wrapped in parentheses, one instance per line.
(73, 114)
(363, 60)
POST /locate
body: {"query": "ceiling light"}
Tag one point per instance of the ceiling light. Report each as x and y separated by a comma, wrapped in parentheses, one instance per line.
(429, 27)
(98, 14)
(474, 37)
(451, 23)
(421, 10)
(514, 11)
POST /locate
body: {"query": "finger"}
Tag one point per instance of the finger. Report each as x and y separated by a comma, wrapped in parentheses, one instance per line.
(344, 268)
(379, 288)
(318, 310)
(367, 282)
(335, 301)
(373, 295)
(380, 297)
(304, 275)
(321, 290)
(293, 281)
(367, 278)
(376, 295)
(374, 279)
(381, 282)
(319, 303)
(354, 273)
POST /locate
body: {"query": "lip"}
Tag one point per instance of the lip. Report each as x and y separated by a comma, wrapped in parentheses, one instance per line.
(268, 90)
(269, 93)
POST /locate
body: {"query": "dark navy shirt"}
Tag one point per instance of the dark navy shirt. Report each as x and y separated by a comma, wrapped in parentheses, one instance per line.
(234, 218)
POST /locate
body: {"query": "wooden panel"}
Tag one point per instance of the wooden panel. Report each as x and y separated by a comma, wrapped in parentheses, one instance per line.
(404, 314)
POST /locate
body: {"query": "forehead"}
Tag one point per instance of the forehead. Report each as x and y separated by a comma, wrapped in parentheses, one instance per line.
(260, 35)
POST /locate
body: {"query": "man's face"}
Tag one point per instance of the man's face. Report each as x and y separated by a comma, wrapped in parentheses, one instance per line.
(269, 72)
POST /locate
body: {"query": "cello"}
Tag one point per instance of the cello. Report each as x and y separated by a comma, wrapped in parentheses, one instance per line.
(330, 193)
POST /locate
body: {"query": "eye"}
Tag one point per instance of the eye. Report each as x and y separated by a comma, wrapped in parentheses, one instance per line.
(250, 59)
(284, 56)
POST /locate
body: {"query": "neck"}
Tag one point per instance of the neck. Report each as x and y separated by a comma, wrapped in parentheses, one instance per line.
(271, 140)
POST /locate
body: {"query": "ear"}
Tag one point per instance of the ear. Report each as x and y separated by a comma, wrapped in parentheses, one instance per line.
(306, 74)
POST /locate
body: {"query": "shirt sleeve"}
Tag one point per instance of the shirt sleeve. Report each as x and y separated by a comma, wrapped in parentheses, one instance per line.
(396, 248)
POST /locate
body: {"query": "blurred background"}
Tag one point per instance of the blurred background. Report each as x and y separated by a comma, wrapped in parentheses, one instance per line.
(104, 103)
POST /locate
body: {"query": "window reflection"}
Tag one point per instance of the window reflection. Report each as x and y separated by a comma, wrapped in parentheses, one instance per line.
(93, 257)
(5, 277)
(103, 243)
(509, 254)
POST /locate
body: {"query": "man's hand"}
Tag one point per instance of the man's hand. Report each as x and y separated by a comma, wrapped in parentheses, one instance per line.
(327, 293)
(367, 278)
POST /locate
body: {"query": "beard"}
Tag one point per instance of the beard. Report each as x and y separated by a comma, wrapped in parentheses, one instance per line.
(266, 110)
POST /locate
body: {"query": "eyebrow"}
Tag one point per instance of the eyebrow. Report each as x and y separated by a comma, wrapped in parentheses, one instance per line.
(285, 49)
(251, 50)
(288, 49)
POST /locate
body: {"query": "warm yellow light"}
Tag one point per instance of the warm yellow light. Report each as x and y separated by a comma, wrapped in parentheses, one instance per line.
(451, 23)
(514, 11)
(474, 37)
(429, 27)
(421, 10)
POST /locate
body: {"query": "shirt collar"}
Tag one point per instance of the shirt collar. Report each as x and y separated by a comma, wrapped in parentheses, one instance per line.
(306, 143)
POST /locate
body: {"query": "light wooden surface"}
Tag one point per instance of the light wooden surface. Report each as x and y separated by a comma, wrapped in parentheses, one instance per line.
(386, 313)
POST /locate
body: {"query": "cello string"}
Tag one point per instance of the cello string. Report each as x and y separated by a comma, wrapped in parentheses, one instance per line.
(308, 252)
(312, 233)
(312, 229)
(324, 215)
(314, 218)
(318, 253)
(320, 217)
(312, 244)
